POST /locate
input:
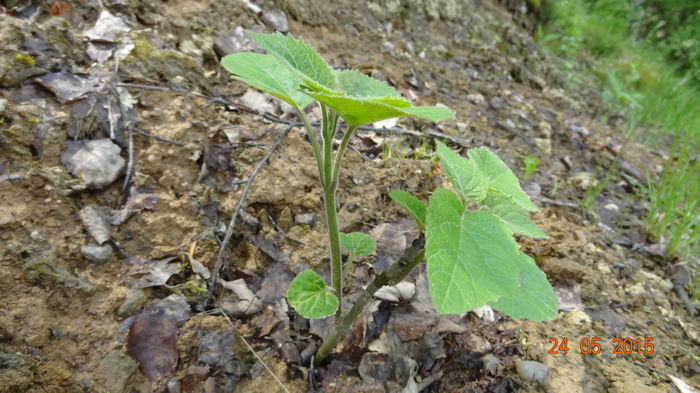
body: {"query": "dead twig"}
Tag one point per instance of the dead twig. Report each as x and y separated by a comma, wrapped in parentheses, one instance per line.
(158, 138)
(130, 164)
(283, 233)
(250, 348)
(220, 258)
(552, 202)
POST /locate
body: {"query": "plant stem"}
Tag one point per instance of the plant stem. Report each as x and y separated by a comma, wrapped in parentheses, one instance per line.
(340, 154)
(314, 143)
(334, 241)
(391, 276)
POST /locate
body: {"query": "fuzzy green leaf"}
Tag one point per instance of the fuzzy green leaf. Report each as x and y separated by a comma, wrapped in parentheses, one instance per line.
(358, 244)
(535, 299)
(266, 73)
(310, 296)
(472, 259)
(515, 218)
(412, 204)
(359, 85)
(500, 176)
(364, 100)
(299, 57)
(464, 175)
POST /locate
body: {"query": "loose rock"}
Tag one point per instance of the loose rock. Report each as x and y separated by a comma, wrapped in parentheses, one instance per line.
(96, 162)
(95, 253)
(532, 370)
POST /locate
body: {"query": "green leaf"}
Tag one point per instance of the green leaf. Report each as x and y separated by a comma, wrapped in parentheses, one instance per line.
(359, 85)
(500, 176)
(266, 73)
(472, 259)
(412, 204)
(364, 100)
(310, 296)
(535, 299)
(301, 58)
(515, 218)
(358, 244)
(464, 175)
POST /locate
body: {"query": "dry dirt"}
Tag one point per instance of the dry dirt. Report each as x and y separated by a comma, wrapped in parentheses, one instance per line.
(64, 319)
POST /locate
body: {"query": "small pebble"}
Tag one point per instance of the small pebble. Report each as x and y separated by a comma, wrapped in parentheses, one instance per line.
(305, 219)
(532, 370)
(96, 253)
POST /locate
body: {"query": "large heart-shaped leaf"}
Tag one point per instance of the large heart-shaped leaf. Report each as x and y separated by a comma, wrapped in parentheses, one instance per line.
(310, 296)
(472, 259)
(500, 176)
(358, 244)
(535, 299)
(515, 218)
(464, 174)
(412, 204)
(299, 57)
(266, 73)
(364, 100)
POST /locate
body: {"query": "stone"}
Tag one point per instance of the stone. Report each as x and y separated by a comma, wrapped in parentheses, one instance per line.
(134, 300)
(95, 253)
(277, 20)
(258, 101)
(305, 219)
(532, 370)
(497, 102)
(476, 98)
(544, 145)
(97, 162)
(115, 370)
(3, 105)
(234, 41)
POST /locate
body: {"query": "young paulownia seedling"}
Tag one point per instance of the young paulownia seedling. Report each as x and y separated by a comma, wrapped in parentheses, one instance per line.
(466, 232)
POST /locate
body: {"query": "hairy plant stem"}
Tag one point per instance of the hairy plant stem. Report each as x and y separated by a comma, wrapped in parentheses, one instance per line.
(413, 256)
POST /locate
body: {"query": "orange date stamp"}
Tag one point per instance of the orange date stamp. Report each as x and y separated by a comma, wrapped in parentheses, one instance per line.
(594, 346)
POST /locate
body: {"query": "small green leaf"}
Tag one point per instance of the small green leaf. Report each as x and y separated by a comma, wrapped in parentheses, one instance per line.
(310, 296)
(299, 57)
(500, 176)
(464, 175)
(412, 204)
(359, 85)
(535, 299)
(472, 259)
(515, 218)
(358, 111)
(358, 244)
(363, 100)
(266, 73)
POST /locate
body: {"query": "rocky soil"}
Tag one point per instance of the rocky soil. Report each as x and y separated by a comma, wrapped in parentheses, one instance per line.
(124, 149)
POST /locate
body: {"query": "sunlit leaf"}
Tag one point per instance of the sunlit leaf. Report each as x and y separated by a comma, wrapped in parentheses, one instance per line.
(501, 178)
(472, 259)
(464, 175)
(266, 73)
(299, 57)
(310, 296)
(412, 204)
(535, 298)
(515, 218)
(358, 244)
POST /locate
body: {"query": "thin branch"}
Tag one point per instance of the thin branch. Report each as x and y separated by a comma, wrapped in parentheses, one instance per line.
(229, 231)
(158, 138)
(250, 348)
(552, 202)
(130, 164)
(414, 255)
(282, 232)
